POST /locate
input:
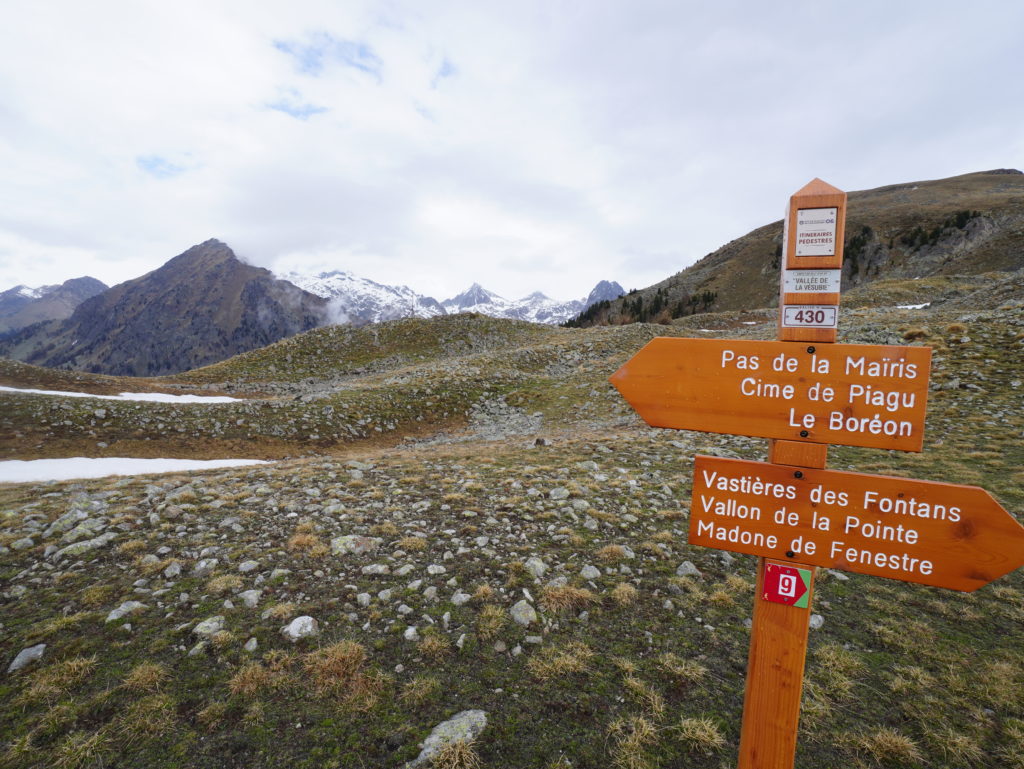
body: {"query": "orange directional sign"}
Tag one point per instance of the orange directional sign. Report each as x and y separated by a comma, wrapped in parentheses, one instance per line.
(937, 534)
(850, 394)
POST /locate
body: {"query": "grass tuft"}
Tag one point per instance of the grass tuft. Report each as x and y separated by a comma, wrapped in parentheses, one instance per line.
(459, 754)
(566, 598)
(700, 735)
(555, 661)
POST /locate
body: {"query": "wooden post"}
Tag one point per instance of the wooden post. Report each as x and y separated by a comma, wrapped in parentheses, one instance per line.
(813, 250)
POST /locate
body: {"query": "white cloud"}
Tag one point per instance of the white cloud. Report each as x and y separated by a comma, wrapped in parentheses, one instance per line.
(522, 146)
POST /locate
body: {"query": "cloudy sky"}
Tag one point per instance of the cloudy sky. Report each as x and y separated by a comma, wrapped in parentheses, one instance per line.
(524, 145)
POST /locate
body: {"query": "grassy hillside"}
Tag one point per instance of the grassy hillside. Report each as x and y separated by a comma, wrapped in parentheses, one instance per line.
(962, 226)
(632, 660)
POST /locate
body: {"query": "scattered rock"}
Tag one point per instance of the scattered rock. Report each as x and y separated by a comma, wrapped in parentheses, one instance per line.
(536, 567)
(464, 726)
(27, 657)
(590, 572)
(687, 569)
(523, 613)
(124, 609)
(209, 627)
(355, 545)
(301, 627)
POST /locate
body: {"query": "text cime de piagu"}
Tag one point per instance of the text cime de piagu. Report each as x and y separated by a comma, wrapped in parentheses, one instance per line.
(880, 401)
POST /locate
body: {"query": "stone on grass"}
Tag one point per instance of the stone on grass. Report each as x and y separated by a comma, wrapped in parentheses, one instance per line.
(816, 621)
(523, 613)
(354, 544)
(27, 657)
(246, 566)
(462, 727)
(687, 569)
(22, 544)
(173, 571)
(250, 598)
(209, 627)
(80, 548)
(590, 572)
(301, 627)
(536, 567)
(204, 567)
(411, 633)
(460, 598)
(124, 609)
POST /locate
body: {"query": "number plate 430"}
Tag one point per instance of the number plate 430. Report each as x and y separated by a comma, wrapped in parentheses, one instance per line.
(810, 316)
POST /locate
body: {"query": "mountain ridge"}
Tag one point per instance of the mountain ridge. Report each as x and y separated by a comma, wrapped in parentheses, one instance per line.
(962, 225)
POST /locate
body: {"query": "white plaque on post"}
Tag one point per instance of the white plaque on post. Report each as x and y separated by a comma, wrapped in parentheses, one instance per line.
(811, 281)
(816, 231)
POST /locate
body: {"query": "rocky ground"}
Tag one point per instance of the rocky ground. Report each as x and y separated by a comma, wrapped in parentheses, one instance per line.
(513, 572)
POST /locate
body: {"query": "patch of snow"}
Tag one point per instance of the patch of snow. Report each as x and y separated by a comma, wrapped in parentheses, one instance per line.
(32, 470)
(151, 397)
(914, 306)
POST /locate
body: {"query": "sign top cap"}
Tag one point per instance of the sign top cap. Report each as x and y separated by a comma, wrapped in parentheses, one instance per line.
(817, 187)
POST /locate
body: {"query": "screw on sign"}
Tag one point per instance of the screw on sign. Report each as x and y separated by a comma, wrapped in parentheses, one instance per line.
(804, 392)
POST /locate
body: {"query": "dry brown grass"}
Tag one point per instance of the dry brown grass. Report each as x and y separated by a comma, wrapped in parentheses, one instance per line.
(337, 670)
(223, 584)
(886, 747)
(566, 598)
(412, 544)
(624, 594)
(611, 553)
(700, 735)
(435, 646)
(386, 530)
(81, 749)
(419, 690)
(96, 596)
(308, 544)
(682, 671)
(459, 754)
(132, 546)
(555, 661)
(490, 621)
(646, 695)
(282, 611)
(55, 681)
(633, 737)
(211, 716)
(251, 679)
(146, 677)
(150, 716)
(484, 593)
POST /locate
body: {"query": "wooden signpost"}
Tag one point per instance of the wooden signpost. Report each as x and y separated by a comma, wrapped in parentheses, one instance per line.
(804, 392)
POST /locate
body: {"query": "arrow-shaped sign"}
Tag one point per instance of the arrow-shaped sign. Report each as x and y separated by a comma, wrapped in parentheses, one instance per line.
(851, 394)
(937, 534)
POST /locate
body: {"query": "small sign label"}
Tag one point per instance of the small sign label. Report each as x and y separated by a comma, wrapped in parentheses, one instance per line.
(811, 281)
(810, 316)
(787, 584)
(816, 231)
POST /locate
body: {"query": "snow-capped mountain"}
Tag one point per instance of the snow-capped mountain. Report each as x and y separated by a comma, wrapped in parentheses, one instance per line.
(359, 300)
(537, 307)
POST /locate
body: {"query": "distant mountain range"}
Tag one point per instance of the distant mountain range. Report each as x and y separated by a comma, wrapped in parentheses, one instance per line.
(202, 306)
(205, 305)
(22, 306)
(357, 300)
